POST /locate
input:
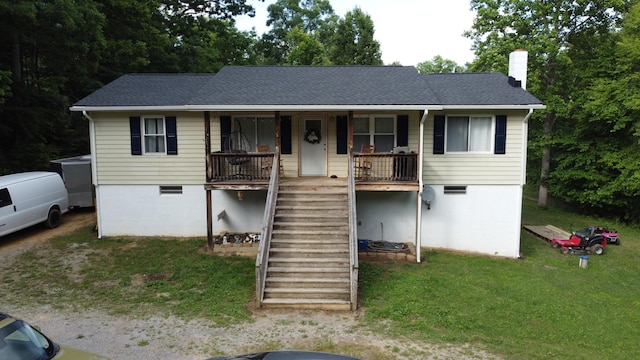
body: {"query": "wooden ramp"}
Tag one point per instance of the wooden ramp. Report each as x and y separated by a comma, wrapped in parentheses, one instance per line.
(547, 232)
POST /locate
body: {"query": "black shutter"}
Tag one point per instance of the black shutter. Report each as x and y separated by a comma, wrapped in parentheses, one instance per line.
(501, 134)
(172, 135)
(136, 136)
(402, 130)
(342, 130)
(225, 132)
(285, 134)
(438, 134)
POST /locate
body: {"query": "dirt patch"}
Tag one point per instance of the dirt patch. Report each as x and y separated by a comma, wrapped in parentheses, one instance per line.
(23, 240)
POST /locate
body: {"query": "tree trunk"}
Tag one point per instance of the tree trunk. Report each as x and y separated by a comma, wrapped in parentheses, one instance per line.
(16, 66)
(546, 160)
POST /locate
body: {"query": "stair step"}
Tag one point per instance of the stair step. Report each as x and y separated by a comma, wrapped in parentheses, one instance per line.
(310, 251)
(332, 262)
(303, 207)
(307, 290)
(310, 232)
(307, 293)
(305, 280)
(317, 214)
(319, 270)
(310, 304)
(310, 244)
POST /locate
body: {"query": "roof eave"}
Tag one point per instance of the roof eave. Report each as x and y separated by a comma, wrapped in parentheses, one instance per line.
(257, 108)
(495, 107)
(306, 107)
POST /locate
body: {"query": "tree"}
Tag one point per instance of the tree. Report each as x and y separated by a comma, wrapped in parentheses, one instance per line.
(597, 164)
(353, 43)
(547, 29)
(439, 65)
(315, 18)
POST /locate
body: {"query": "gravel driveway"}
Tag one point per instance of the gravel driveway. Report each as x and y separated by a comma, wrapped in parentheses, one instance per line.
(161, 336)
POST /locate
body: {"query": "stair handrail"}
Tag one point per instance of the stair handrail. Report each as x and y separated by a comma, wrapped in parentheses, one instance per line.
(262, 258)
(353, 234)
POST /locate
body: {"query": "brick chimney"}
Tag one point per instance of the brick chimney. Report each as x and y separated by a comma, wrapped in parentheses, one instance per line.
(518, 67)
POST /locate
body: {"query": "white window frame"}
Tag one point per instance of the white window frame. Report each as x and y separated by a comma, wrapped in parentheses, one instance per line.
(372, 128)
(163, 135)
(492, 132)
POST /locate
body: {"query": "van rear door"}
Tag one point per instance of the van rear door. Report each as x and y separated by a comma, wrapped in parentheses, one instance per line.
(7, 212)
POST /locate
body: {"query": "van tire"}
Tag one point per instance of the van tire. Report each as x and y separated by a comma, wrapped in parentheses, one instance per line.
(54, 218)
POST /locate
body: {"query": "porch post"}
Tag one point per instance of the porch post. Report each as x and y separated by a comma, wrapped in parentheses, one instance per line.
(350, 131)
(207, 151)
(277, 118)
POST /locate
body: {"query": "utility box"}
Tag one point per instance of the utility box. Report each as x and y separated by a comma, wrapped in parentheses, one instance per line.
(76, 173)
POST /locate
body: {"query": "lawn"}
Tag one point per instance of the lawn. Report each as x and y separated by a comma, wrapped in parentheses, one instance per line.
(541, 306)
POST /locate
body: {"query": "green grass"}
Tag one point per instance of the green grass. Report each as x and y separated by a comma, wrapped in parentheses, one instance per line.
(542, 306)
(150, 276)
(539, 307)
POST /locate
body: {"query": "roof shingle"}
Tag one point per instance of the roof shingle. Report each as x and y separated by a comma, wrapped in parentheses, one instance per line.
(308, 85)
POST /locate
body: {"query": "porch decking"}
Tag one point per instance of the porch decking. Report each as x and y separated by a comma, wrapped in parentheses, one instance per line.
(372, 172)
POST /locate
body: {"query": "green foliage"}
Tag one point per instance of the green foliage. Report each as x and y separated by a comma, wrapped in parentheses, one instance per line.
(352, 42)
(439, 65)
(53, 53)
(289, 19)
(570, 52)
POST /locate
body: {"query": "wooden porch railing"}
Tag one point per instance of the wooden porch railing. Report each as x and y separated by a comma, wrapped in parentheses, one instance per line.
(353, 236)
(385, 167)
(239, 166)
(262, 258)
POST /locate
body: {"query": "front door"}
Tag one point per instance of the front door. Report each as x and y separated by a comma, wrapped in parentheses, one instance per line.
(313, 147)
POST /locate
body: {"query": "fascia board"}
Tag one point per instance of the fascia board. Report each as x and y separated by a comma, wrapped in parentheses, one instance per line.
(256, 108)
(494, 107)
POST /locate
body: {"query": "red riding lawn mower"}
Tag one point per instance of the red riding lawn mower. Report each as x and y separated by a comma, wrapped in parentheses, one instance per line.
(591, 240)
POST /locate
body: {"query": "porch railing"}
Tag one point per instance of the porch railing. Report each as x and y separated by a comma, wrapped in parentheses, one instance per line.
(239, 166)
(385, 167)
(353, 237)
(262, 258)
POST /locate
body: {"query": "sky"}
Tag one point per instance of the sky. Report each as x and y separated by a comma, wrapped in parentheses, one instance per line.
(409, 31)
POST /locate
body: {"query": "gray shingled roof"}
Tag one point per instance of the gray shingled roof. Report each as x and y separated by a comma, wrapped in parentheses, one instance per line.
(308, 85)
(477, 89)
(148, 90)
(317, 85)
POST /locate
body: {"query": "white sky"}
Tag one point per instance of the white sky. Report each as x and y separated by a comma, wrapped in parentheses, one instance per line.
(409, 31)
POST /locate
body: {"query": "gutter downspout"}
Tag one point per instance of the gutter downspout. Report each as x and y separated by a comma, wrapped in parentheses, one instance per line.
(420, 188)
(525, 137)
(94, 169)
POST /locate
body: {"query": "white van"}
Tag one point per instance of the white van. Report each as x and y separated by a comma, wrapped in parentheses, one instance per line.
(30, 198)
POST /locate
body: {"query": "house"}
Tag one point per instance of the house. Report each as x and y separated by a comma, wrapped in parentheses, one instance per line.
(177, 154)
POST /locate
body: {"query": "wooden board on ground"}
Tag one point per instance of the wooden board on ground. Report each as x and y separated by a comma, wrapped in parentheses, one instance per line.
(547, 232)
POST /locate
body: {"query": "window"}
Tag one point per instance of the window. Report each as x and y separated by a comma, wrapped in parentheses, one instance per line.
(5, 198)
(154, 135)
(256, 130)
(377, 130)
(469, 134)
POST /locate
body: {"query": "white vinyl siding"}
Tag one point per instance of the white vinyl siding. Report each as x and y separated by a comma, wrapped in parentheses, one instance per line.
(476, 168)
(116, 165)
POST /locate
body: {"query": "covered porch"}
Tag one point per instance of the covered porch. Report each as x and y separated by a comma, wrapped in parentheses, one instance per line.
(372, 171)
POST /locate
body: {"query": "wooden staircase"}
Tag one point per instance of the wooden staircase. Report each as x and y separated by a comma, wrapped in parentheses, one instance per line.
(308, 263)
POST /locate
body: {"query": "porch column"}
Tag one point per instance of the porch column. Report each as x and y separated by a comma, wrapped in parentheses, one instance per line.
(277, 119)
(350, 131)
(207, 154)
